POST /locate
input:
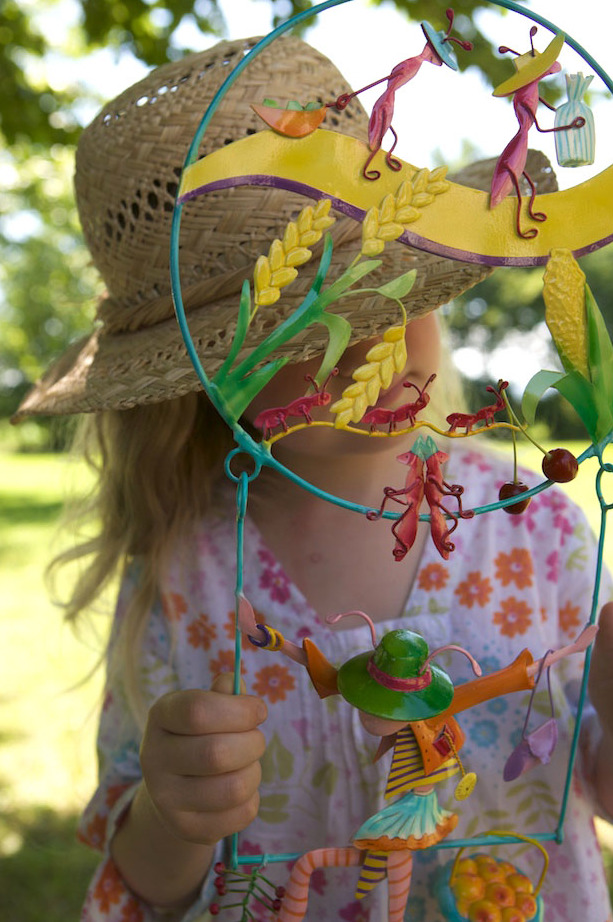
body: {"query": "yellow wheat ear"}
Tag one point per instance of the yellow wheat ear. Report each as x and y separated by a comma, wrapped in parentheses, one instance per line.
(388, 220)
(383, 360)
(565, 313)
(279, 268)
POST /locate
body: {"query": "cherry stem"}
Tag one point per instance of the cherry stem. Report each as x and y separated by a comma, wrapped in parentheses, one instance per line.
(513, 418)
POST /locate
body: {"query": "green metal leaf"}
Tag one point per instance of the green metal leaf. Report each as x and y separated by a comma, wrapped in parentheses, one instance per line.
(581, 395)
(535, 388)
(600, 350)
(238, 395)
(339, 330)
(399, 287)
(242, 325)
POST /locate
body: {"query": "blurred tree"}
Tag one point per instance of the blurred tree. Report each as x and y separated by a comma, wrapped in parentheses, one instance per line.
(47, 287)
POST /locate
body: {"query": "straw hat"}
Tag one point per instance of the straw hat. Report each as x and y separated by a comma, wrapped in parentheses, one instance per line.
(129, 162)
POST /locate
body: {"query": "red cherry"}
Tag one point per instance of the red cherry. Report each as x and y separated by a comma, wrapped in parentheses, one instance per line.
(280, 892)
(214, 909)
(219, 867)
(514, 488)
(276, 905)
(560, 465)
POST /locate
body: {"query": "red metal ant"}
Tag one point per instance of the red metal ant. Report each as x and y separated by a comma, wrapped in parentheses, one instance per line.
(383, 416)
(267, 420)
(382, 113)
(468, 420)
(511, 166)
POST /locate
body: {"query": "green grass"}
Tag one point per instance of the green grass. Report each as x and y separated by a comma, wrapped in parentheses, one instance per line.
(48, 719)
(47, 727)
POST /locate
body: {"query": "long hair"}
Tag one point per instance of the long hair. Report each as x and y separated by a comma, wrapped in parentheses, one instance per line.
(155, 469)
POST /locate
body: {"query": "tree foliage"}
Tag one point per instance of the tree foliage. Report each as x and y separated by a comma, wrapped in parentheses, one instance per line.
(47, 285)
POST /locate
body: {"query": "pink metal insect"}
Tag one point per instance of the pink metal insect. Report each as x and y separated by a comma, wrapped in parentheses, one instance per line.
(419, 484)
(382, 416)
(436, 489)
(267, 420)
(486, 414)
(410, 495)
(524, 86)
(435, 51)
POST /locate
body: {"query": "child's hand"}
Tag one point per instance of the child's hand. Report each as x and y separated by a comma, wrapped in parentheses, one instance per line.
(200, 760)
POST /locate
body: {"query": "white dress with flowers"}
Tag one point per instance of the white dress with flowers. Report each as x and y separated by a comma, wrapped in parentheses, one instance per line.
(512, 582)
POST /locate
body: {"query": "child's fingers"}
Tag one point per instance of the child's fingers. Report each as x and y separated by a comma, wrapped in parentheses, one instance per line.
(211, 754)
(194, 712)
(218, 794)
(209, 828)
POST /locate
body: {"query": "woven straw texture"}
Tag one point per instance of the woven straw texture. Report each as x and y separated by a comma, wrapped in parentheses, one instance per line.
(129, 163)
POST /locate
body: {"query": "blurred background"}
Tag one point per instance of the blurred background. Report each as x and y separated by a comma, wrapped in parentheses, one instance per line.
(60, 61)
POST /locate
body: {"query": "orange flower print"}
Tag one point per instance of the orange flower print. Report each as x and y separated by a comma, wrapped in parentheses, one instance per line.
(174, 605)
(229, 628)
(224, 663)
(569, 617)
(114, 792)
(433, 576)
(273, 682)
(474, 590)
(109, 888)
(94, 833)
(515, 567)
(514, 617)
(132, 911)
(201, 632)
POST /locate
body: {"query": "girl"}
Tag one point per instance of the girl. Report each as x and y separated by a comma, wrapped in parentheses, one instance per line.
(183, 763)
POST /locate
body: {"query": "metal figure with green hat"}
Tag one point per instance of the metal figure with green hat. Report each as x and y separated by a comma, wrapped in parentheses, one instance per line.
(438, 51)
(410, 702)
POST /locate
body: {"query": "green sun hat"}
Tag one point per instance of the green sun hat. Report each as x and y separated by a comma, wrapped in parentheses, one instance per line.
(391, 681)
(441, 44)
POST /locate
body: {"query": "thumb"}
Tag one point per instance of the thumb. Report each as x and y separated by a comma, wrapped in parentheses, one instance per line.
(224, 684)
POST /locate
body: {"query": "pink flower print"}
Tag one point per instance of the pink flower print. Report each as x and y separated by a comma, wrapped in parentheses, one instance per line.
(563, 525)
(473, 457)
(552, 562)
(301, 727)
(355, 912)
(277, 583)
(267, 557)
(304, 632)
(318, 881)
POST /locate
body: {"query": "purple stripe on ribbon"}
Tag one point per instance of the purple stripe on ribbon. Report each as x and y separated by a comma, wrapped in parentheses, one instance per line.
(409, 238)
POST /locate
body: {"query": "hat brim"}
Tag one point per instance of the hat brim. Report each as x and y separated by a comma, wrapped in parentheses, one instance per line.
(442, 48)
(357, 686)
(534, 70)
(127, 368)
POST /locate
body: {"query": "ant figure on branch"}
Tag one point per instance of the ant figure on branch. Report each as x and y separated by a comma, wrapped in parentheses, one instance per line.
(436, 51)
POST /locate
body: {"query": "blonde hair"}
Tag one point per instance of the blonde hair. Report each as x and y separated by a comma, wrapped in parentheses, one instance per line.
(155, 468)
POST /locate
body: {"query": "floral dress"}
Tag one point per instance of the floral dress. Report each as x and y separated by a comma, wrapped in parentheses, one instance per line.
(512, 582)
